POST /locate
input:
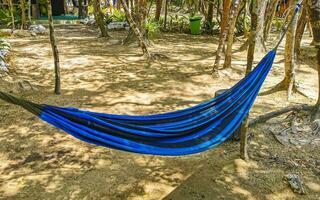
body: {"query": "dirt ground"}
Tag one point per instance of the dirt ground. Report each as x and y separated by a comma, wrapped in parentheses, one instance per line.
(38, 161)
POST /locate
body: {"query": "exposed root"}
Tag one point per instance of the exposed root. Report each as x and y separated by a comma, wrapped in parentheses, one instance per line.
(283, 86)
(279, 87)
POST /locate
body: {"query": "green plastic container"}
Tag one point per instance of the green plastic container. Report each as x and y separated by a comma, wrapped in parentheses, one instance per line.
(195, 25)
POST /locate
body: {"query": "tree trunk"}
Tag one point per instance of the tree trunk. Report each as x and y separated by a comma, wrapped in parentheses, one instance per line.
(23, 13)
(80, 9)
(289, 52)
(100, 18)
(314, 13)
(165, 14)
(143, 11)
(158, 10)
(271, 14)
(136, 30)
(55, 51)
(210, 14)
(260, 46)
(29, 11)
(252, 37)
(232, 24)
(302, 22)
(250, 58)
(12, 14)
(223, 34)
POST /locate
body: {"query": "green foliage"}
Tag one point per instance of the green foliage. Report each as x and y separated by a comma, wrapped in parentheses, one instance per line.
(90, 10)
(117, 16)
(178, 23)
(5, 18)
(278, 23)
(152, 28)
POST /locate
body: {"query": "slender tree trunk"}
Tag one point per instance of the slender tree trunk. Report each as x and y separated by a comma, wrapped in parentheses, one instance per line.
(253, 36)
(136, 30)
(302, 22)
(158, 9)
(100, 18)
(314, 15)
(80, 9)
(55, 51)
(165, 14)
(143, 16)
(232, 24)
(12, 14)
(223, 34)
(250, 58)
(210, 14)
(289, 52)
(271, 14)
(29, 11)
(23, 13)
(260, 46)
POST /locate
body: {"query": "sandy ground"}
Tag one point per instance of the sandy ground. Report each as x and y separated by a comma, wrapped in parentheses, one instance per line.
(38, 161)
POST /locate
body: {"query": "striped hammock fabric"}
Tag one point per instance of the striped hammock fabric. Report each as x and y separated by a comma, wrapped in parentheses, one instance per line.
(182, 132)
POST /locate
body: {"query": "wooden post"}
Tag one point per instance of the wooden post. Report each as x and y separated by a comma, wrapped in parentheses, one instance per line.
(55, 51)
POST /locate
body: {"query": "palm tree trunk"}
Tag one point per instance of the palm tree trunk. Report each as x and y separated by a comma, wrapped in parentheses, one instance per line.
(55, 51)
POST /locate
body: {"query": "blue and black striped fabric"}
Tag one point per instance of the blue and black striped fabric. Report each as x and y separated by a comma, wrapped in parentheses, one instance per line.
(182, 132)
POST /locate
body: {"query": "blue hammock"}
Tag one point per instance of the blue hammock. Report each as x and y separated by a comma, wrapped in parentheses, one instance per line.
(182, 132)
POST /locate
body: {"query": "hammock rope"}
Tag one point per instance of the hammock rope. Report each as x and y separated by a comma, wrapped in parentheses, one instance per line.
(181, 132)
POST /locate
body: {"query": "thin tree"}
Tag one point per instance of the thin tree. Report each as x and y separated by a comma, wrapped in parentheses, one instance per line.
(260, 46)
(99, 17)
(209, 16)
(55, 51)
(12, 14)
(302, 22)
(80, 9)
(158, 10)
(232, 24)
(314, 14)
(23, 13)
(223, 35)
(288, 83)
(136, 30)
(250, 59)
(271, 12)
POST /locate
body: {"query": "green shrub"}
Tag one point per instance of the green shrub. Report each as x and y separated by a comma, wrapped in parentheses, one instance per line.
(152, 28)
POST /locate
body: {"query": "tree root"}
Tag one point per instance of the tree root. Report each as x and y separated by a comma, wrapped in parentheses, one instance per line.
(283, 86)
(268, 116)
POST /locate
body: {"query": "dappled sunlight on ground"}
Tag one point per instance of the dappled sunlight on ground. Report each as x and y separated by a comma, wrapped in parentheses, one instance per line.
(38, 161)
